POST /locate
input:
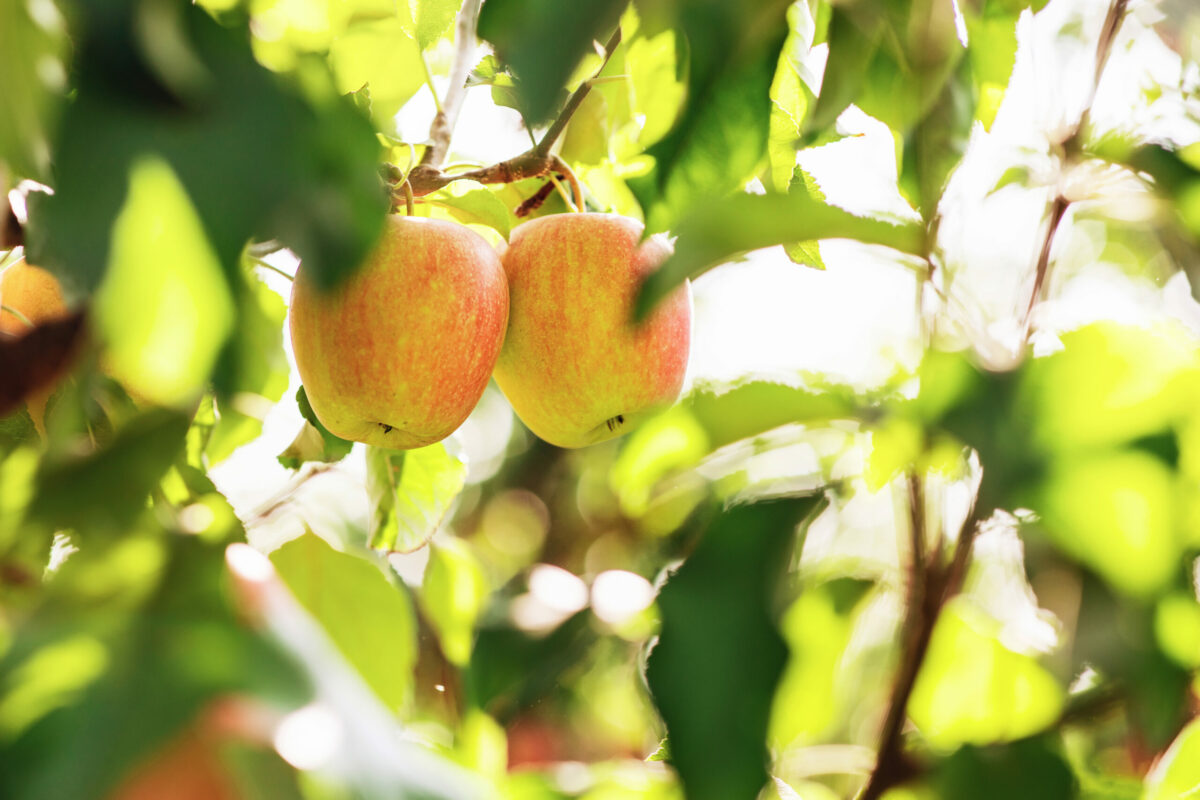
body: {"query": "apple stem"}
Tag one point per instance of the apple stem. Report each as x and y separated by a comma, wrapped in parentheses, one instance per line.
(410, 205)
(576, 188)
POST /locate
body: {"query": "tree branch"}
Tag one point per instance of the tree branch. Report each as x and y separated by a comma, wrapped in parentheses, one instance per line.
(442, 128)
(428, 176)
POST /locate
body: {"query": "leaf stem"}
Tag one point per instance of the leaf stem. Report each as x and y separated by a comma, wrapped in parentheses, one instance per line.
(569, 174)
(266, 265)
(437, 103)
(409, 202)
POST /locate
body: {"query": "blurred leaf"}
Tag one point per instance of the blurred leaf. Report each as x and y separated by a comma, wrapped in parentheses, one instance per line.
(107, 488)
(163, 320)
(971, 689)
(720, 136)
(1030, 769)
(478, 207)
(817, 627)
(1111, 384)
(382, 54)
(544, 41)
(314, 442)
(32, 80)
(453, 594)
(1116, 514)
(367, 616)
(719, 641)
(1177, 628)
(935, 146)
(658, 94)
(511, 670)
(410, 493)
(1177, 773)
(184, 648)
(718, 230)
(728, 414)
(256, 159)
(1115, 636)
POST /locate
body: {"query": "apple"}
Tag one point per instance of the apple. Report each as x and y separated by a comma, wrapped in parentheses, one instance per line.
(398, 355)
(36, 295)
(574, 366)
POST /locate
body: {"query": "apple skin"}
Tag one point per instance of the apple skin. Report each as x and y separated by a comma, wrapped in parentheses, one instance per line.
(37, 294)
(400, 353)
(574, 366)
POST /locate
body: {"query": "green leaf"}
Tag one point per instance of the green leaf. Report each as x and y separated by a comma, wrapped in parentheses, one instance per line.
(935, 146)
(1030, 769)
(544, 41)
(853, 38)
(721, 135)
(256, 159)
(807, 253)
(971, 689)
(32, 79)
(719, 230)
(410, 493)
(719, 641)
(152, 672)
(106, 489)
(479, 207)
(384, 55)
(453, 595)
(369, 617)
(433, 19)
(1177, 773)
(314, 442)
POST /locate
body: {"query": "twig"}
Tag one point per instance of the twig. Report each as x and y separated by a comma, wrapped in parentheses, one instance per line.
(576, 98)
(428, 176)
(1058, 209)
(576, 189)
(1071, 144)
(892, 766)
(442, 128)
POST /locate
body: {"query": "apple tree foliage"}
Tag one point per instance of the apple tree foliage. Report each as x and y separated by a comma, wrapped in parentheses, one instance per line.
(973, 577)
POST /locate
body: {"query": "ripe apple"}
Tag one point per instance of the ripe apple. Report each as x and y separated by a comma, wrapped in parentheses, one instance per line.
(574, 366)
(399, 354)
(36, 295)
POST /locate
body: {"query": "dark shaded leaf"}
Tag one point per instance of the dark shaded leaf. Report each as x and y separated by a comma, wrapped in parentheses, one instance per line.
(1030, 769)
(107, 488)
(543, 41)
(715, 666)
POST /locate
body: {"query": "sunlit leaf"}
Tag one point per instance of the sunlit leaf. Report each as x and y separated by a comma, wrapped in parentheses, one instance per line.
(973, 690)
(368, 617)
(478, 207)
(314, 442)
(453, 594)
(410, 491)
(163, 309)
(1176, 775)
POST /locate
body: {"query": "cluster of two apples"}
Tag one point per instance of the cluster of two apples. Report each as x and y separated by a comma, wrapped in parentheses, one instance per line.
(399, 354)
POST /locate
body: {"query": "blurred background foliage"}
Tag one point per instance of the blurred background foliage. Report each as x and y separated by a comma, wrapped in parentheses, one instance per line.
(923, 525)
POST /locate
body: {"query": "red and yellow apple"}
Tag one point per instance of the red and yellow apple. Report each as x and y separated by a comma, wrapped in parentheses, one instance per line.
(36, 295)
(398, 355)
(574, 366)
